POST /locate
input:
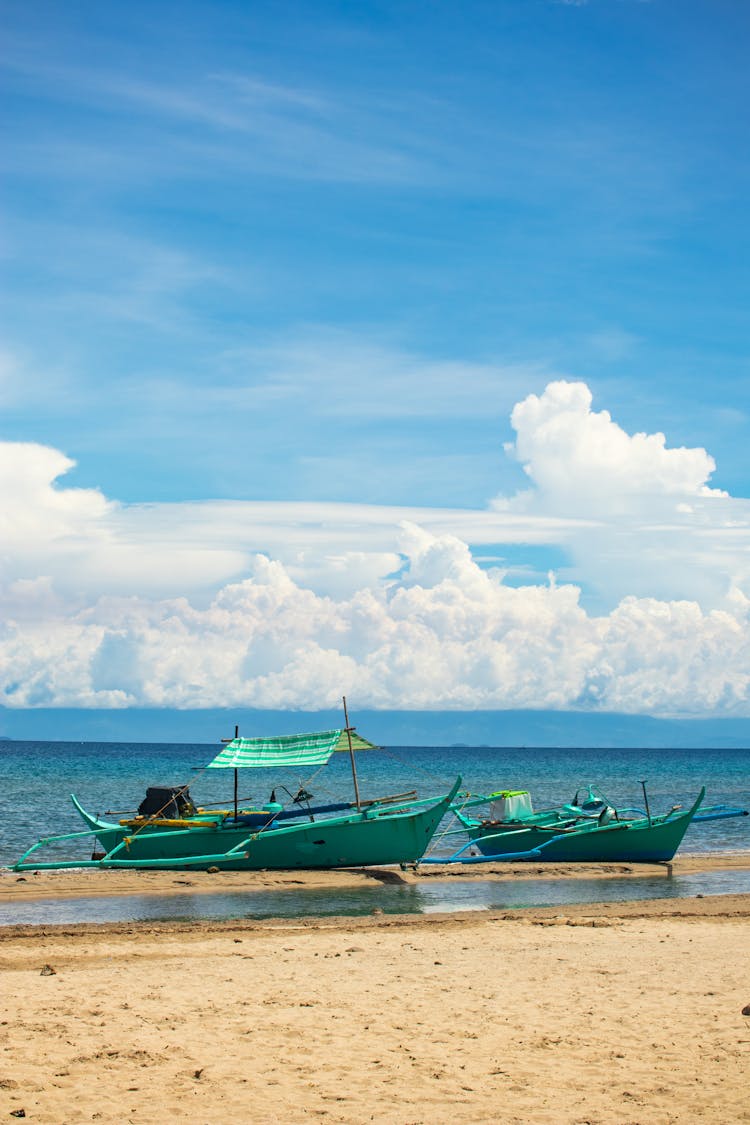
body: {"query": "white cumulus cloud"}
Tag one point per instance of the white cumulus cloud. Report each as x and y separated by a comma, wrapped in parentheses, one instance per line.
(447, 634)
(654, 526)
(291, 605)
(581, 460)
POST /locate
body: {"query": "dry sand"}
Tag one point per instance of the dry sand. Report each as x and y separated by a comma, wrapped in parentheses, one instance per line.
(615, 1014)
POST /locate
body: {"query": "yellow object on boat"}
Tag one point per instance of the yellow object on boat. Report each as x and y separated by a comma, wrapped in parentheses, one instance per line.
(164, 822)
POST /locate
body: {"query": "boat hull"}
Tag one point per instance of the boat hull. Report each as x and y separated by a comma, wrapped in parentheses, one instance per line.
(635, 841)
(359, 839)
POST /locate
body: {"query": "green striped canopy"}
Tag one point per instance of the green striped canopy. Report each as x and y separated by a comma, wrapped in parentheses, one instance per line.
(286, 750)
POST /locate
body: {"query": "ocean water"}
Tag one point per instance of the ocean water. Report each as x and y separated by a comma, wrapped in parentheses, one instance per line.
(38, 777)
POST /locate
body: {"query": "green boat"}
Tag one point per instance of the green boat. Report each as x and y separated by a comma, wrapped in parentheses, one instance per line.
(592, 831)
(170, 831)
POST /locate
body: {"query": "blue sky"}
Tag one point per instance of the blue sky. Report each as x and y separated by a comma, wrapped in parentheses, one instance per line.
(380, 297)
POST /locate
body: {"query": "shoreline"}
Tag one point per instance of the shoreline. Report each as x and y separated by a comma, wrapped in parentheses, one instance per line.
(74, 883)
(721, 908)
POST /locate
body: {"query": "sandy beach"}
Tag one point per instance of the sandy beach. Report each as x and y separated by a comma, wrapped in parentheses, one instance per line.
(616, 1014)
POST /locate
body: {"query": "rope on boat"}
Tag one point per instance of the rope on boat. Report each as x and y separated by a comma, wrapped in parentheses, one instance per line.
(432, 774)
(436, 839)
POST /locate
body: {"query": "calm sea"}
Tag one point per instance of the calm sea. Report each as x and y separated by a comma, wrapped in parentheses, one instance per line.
(37, 778)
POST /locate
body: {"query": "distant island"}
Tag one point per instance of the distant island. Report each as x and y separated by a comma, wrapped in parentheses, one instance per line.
(390, 728)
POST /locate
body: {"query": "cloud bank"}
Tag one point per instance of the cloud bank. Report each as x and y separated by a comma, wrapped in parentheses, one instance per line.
(291, 605)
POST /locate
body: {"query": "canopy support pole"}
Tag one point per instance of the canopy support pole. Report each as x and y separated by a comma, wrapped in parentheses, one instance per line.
(351, 755)
(236, 735)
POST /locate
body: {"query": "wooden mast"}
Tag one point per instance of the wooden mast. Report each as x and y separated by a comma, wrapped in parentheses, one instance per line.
(236, 771)
(645, 798)
(236, 735)
(351, 755)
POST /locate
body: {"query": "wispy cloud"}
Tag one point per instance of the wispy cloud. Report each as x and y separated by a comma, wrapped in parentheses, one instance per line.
(346, 374)
(203, 121)
(226, 119)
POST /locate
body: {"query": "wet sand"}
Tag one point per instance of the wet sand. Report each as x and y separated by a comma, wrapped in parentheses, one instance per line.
(618, 1014)
(17, 887)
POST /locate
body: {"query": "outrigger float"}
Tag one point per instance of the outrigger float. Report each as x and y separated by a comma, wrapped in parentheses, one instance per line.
(588, 830)
(170, 832)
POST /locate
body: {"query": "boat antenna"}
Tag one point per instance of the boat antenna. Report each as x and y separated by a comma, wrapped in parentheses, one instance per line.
(645, 798)
(351, 755)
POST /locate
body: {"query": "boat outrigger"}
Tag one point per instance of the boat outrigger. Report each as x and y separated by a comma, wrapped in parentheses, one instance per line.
(170, 832)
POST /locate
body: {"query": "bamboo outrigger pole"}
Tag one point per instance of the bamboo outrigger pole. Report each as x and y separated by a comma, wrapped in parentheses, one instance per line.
(351, 755)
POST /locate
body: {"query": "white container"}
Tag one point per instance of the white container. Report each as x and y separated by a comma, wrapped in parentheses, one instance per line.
(511, 805)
